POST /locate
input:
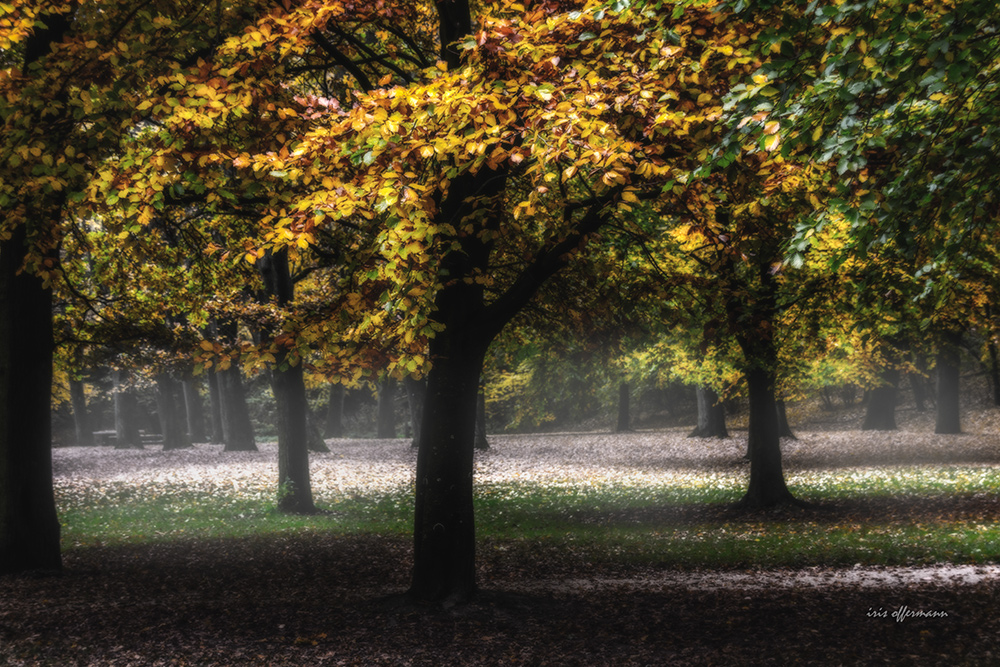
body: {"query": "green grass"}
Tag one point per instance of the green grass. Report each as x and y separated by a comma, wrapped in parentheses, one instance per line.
(934, 517)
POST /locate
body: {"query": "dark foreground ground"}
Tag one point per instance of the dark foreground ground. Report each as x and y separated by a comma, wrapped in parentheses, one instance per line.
(322, 600)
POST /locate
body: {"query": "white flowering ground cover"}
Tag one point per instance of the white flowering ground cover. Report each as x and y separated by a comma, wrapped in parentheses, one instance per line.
(595, 549)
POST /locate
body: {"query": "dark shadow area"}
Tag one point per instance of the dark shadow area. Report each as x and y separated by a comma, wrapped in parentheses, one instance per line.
(318, 600)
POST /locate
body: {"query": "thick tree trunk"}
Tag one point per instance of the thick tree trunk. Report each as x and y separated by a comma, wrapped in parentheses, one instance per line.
(624, 422)
(194, 408)
(126, 414)
(335, 412)
(948, 373)
(880, 413)
(444, 530)
(385, 426)
(482, 442)
(215, 405)
(767, 481)
(29, 527)
(416, 390)
(173, 423)
(237, 429)
(81, 416)
(711, 415)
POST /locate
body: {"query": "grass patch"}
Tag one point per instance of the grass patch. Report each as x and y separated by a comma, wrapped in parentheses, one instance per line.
(870, 516)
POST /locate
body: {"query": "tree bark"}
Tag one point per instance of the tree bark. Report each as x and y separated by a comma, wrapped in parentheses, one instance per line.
(948, 374)
(237, 429)
(385, 425)
(288, 385)
(624, 423)
(482, 442)
(335, 412)
(126, 415)
(172, 421)
(194, 408)
(880, 413)
(416, 390)
(81, 416)
(767, 481)
(29, 527)
(215, 406)
(316, 442)
(711, 415)
(994, 371)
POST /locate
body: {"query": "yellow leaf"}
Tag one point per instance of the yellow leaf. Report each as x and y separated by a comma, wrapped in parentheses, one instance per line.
(207, 345)
(772, 127)
(817, 133)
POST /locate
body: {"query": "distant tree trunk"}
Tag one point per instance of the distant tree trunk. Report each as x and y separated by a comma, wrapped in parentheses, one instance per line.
(316, 441)
(81, 416)
(711, 415)
(416, 390)
(172, 420)
(482, 443)
(880, 413)
(948, 373)
(288, 385)
(386, 423)
(195, 411)
(237, 429)
(215, 405)
(29, 527)
(335, 412)
(784, 430)
(624, 423)
(919, 387)
(126, 415)
(994, 371)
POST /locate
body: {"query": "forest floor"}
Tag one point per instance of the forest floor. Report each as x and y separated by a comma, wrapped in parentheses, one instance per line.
(319, 598)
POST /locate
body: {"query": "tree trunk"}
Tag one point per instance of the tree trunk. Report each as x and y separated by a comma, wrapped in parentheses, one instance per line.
(29, 527)
(784, 430)
(767, 481)
(416, 390)
(482, 442)
(172, 421)
(289, 387)
(386, 422)
(126, 415)
(215, 405)
(335, 412)
(994, 371)
(624, 423)
(711, 415)
(237, 429)
(948, 373)
(444, 530)
(880, 413)
(195, 411)
(316, 442)
(81, 416)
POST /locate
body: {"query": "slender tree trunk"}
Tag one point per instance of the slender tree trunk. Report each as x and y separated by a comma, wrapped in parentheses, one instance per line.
(948, 374)
(335, 412)
(172, 421)
(784, 430)
(81, 416)
(919, 391)
(624, 423)
(386, 422)
(482, 442)
(29, 527)
(126, 415)
(711, 415)
(880, 413)
(237, 429)
(316, 441)
(994, 371)
(195, 411)
(416, 390)
(289, 387)
(215, 406)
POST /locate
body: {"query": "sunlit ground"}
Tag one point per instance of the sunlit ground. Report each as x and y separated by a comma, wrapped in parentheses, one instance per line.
(657, 498)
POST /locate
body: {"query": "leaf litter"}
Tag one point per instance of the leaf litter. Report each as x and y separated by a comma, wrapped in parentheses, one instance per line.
(311, 598)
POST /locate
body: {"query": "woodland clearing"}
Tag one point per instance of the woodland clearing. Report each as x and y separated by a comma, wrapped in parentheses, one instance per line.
(315, 594)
